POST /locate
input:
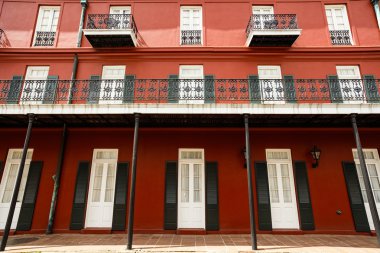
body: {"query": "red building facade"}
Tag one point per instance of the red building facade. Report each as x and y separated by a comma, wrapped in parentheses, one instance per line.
(190, 70)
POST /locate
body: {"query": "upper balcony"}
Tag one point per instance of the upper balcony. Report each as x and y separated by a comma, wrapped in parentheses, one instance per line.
(111, 30)
(272, 30)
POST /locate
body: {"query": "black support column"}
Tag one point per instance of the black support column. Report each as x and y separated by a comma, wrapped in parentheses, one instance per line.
(133, 183)
(250, 190)
(367, 185)
(17, 184)
(57, 179)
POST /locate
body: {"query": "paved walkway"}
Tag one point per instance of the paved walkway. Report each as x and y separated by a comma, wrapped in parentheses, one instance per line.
(192, 243)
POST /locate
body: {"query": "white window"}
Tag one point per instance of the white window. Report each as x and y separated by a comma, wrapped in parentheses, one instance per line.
(337, 21)
(34, 85)
(271, 86)
(371, 157)
(191, 25)
(120, 16)
(46, 28)
(263, 17)
(350, 84)
(8, 183)
(281, 188)
(112, 85)
(102, 188)
(191, 86)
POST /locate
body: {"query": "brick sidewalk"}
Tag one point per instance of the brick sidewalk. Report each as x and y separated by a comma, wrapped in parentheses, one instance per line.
(192, 243)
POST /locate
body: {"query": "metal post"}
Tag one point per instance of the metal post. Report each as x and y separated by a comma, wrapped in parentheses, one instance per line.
(57, 179)
(250, 190)
(367, 185)
(133, 183)
(17, 184)
(81, 21)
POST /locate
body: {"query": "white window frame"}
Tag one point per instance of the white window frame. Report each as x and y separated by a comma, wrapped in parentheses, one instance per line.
(263, 83)
(39, 20)
(181, 83)
(29, 78)
(345, 16)
(116, 82)
(342, 83)
(191, 28)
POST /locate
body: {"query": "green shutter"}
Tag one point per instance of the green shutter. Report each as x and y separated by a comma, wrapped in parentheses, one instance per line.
(120, 201)
(170, 210)
(212, 204)
(254, 89)
(173, 89)
(94, 87)
(129, 88)
(263, 199)
(335, 91)
(80, 196)
(209, 89)
(289, 89)
(28, 203)
(371, 89)
(50, 90)
(359, 214)
(14, 91)
(303, 192)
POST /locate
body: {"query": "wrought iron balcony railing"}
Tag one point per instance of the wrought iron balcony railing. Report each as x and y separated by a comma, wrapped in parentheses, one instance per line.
(111, 22)
(44, 39)
(191, 37)
(340, 37)
(131, 90)
(272, 22)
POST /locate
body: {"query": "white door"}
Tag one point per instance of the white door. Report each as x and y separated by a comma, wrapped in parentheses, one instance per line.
(337, 18)
(8, 183)
(350, 84)
(112, 85)
(191, 86)
(102, 189)
(272, 90)
(191, 197)
(122, 16)
(282, 190)
(191, 22)
(372, 161)
(34, 85)
(262, 15)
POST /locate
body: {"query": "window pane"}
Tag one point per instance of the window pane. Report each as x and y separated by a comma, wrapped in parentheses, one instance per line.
(197, 183)
(286, 183)
(185, 183)
(97, 182)
(273, 184)
(110, 183)
(9, 185)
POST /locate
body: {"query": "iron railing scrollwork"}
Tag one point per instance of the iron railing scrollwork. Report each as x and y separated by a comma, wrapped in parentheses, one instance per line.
(111, 21)
(272, 22)
(340, 37)
(191, 37)
(190, 91)
(44, 39)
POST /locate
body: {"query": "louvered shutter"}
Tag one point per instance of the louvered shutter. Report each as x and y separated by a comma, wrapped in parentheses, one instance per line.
(171, 182)
(212, 203)
(263, 199)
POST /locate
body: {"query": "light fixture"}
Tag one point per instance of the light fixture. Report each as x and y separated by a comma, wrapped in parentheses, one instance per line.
(316, 154)
(244, 153)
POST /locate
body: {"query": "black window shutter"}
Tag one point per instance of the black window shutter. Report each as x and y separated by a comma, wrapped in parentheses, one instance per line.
(371, 89)
(120, 201)
(212, 204)
(254, 89)
(50, 90)
(129, 88)
(173, 89)
(94, 87)
(335, 91)
(263, 199)
(303, 192)
(289, 89)
(14, 91)
(80, 196)
(28, 203)
(1, 169)
(171, 181)
(355, 196)
(209, 89)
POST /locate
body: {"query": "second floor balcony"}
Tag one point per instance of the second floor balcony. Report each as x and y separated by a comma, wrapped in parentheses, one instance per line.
(111, 30)
(190, 91)
(272, 30)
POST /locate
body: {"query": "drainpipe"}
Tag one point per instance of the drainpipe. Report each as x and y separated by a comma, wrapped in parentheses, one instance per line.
(57, 179)
(82, 15)
(375, 4)
(73, 76)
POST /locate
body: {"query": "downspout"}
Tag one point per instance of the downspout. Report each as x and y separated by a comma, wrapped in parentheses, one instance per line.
(73, 76)
(375, 4)
(84, 7)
